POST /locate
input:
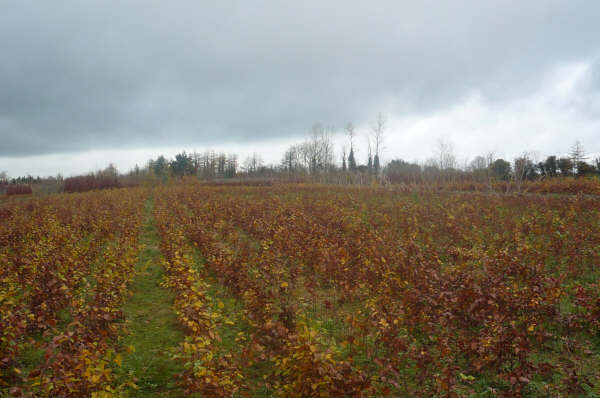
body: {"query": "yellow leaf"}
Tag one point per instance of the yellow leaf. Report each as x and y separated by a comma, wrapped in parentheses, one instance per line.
(95, 378)
(284, 284)
(221, 305)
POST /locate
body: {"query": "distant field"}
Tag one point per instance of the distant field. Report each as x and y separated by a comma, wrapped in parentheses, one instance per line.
(299, 291)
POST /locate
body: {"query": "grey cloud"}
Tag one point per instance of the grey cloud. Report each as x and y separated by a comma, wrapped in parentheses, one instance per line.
(92, 74)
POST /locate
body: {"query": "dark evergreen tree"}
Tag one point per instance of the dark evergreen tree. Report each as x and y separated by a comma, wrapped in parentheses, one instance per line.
(550, 166)
(565, 165)
(500, 168)
(160, 165)
(584, 169)
(182, 164)
(351, 160)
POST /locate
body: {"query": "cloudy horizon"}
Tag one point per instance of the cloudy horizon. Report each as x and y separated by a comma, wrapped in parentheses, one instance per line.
(90, 83)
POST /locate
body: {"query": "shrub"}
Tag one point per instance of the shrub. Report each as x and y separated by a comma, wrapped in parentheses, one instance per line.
(90, 182)
(18, 189)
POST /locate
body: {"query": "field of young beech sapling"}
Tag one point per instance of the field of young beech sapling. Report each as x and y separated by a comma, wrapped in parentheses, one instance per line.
(299, 291)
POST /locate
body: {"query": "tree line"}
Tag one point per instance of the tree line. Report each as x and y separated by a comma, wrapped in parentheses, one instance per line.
(525, 167)
(315, 159)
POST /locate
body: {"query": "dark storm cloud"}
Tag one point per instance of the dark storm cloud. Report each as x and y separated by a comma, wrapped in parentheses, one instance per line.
(94, 74)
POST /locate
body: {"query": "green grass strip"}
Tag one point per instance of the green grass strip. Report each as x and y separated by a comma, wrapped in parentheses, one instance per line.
(152, 323)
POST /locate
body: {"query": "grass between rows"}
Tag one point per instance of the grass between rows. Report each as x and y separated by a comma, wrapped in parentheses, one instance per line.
(151, 321)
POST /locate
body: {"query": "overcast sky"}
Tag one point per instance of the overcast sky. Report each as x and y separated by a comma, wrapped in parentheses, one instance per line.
(85, 83)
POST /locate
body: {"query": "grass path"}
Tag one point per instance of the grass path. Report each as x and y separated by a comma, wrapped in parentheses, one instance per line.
(153, 327)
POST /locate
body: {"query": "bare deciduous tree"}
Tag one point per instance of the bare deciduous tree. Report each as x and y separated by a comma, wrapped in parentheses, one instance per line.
(377, 130)
(351, 133)
(369, 153)
(577, 155)
(232, 165)
(445, 156)
(344, 164)
(524, 168)
(490, 157)
(252, 163)
(316, 153)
